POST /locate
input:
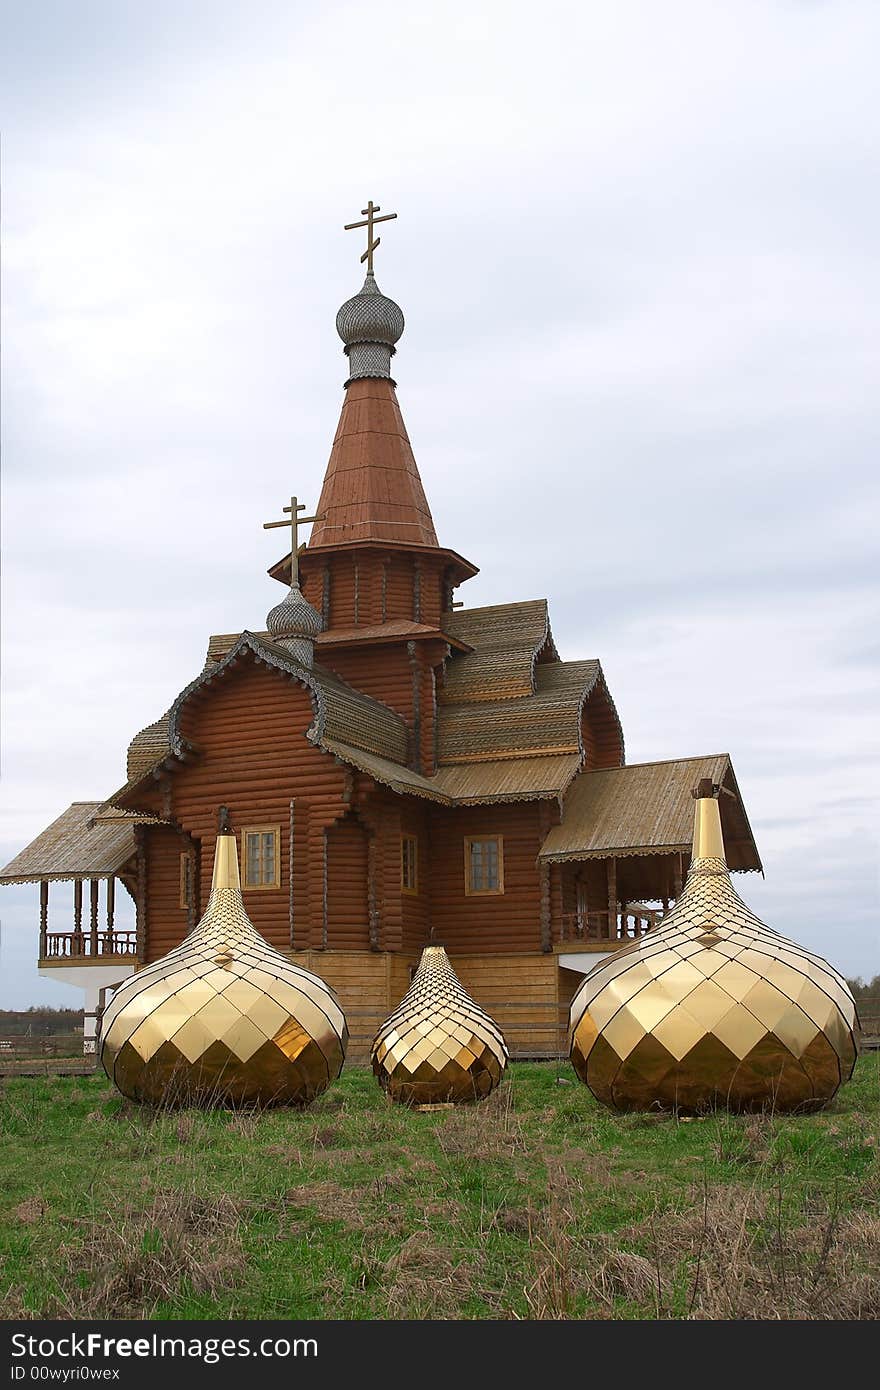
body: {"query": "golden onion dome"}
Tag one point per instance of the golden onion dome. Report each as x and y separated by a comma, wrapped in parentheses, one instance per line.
(224, 1019)
(712, 1007)
(438, 1045)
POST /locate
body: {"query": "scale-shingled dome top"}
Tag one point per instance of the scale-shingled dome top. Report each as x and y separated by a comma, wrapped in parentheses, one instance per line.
(370, 317)
(294, 616)
(223, 1018)
(438, 1045)
(712, 1008)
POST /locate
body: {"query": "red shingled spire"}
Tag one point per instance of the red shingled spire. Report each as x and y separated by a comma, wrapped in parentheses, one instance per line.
(372, 490)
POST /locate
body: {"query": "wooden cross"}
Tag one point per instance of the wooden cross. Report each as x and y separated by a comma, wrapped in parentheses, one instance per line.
(370, 219)
(294, 522)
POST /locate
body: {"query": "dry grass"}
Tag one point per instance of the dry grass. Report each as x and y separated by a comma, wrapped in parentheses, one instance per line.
(535, 1204)
(130, 1264)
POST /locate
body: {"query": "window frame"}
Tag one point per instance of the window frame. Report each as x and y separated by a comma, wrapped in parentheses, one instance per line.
(260, 830)
(187, 875)
(411, 889)
(469, 890)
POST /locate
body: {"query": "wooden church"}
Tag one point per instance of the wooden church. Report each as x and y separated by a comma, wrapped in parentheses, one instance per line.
(399, 768)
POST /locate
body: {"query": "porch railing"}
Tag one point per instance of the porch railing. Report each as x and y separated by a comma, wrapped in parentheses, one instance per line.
(606, 926)
(73, 945)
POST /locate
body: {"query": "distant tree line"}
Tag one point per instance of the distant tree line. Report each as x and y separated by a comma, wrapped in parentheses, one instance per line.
(39, 1022)
(865, 989)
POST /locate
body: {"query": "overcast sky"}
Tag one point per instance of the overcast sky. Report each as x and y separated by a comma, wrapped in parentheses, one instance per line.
(637, 255)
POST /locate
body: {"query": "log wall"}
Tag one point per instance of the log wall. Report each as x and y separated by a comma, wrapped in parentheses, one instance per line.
(525, 994)
(509, 921)
(600, 731)
(167, 920)
(348, 919)
(250, 727)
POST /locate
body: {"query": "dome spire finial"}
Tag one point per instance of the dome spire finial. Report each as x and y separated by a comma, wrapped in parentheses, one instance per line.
(369, 324)
(294, 623)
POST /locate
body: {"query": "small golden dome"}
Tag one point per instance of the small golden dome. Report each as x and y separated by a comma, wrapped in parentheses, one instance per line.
(438, 1045)
(712, 1008)
(223, 1019)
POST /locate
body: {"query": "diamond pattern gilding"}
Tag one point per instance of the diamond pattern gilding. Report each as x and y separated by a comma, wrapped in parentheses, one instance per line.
(743, 1018)
(252, 1030)
(438, 1045)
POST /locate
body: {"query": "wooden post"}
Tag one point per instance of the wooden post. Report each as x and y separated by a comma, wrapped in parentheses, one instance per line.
(415, 761)
(546, 919)
(324, 893)
(325, 595)
(624, 920)
(290, 865)
(611, 866)
(417, 592)
(141, 893)
(676, 877)
(44, 917)
(372, 898)
(111, 911)
(77, 917)
(93, 917)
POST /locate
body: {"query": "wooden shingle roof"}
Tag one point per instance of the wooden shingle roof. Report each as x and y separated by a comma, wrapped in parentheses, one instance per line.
(372, 490)
(512, 779)
(71, 848)
(147, 748)
(507, 639)
(545, 722)
(648, 808)
(507, 779)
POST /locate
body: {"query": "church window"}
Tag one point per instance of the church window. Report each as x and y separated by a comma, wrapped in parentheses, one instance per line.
(484, 864)
(409, 863)
(260, 856)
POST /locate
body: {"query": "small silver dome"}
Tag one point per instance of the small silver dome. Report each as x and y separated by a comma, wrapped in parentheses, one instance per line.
(370, 317)
(294, 617)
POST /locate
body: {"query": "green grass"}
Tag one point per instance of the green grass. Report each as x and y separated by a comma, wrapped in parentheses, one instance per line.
(535, 1204)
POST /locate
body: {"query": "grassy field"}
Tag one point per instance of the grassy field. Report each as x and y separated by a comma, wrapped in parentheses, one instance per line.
(536, 1204)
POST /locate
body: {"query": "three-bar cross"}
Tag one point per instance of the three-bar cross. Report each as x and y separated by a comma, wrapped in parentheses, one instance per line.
(294, 522)
(370, 219)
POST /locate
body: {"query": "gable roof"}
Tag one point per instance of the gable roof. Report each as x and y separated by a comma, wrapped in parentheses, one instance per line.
(341, 712)
(72, 847)
(507, 699)
(648, 808)
(545, 722)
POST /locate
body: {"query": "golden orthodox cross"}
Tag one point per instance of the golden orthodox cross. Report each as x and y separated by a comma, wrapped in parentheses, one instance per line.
(370, 219)
(294, 521)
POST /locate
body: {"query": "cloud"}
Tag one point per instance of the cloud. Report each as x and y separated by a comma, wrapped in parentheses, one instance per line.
(637, 256)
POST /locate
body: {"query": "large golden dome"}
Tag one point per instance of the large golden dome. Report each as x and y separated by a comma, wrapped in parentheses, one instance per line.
(223, 1018)
(712, 1007)
(438, 1045)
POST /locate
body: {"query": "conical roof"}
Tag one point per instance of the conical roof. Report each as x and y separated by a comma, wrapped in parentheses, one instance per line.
(372, 490)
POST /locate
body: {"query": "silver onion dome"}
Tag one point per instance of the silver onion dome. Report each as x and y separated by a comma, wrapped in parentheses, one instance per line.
(369, 325)
(295, 624)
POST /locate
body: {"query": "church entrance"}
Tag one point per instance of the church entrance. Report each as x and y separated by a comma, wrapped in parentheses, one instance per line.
(348, 917)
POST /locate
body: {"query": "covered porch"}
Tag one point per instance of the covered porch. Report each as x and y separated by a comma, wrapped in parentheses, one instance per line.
(620, 855)
(90, 949)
